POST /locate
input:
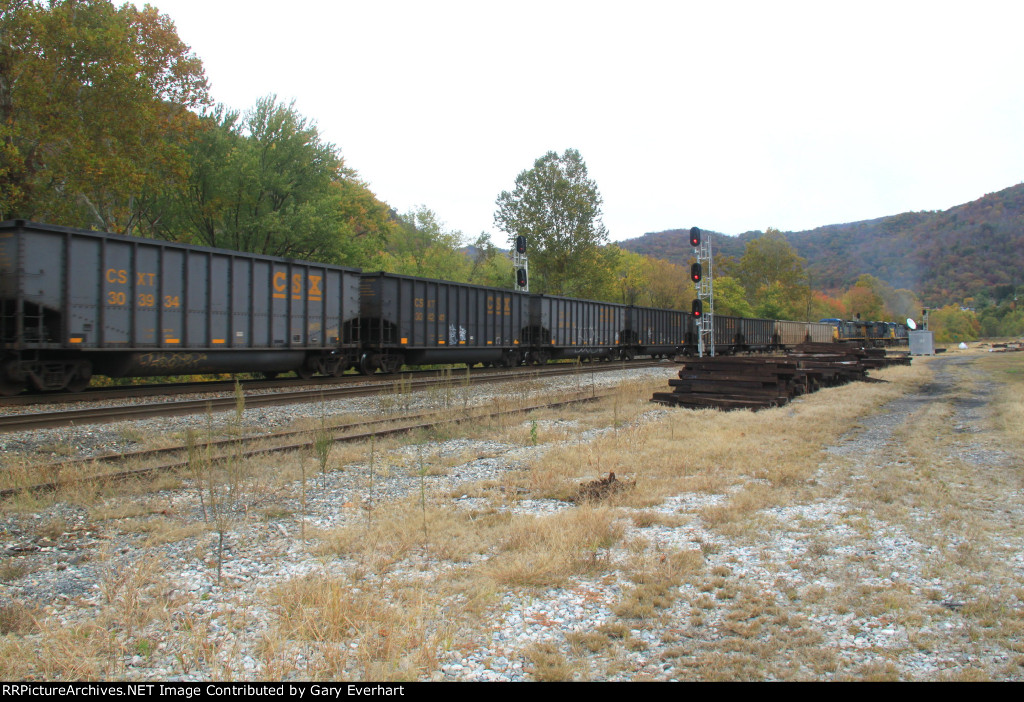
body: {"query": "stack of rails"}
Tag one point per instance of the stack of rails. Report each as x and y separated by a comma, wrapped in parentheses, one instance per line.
(869, 358)
(757, 383)
(829, 365)
(727, 382)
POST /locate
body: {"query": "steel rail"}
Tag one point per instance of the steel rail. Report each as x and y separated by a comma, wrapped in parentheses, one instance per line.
(82, 416)
(233, 447)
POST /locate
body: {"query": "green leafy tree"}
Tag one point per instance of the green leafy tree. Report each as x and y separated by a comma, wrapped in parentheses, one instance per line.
(365, 224)
(95, 107)
(557, 207)
(1002, 320)
(774, 277)
(491, 266)
(267, 183)
(633, 273)
(731, 298)
(423, 246)
(669, 285)
(774, 302)
(770, 259)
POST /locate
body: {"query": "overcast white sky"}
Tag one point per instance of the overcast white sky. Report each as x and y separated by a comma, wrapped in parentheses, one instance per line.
(730, 116)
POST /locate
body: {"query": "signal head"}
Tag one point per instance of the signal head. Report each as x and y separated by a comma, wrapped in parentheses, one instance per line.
(695, 272)
(521, 277)
(521, 244)
(694, 237)
(698, 309)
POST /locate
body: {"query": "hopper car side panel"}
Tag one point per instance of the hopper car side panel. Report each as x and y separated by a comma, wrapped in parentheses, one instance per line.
(820, 333)
(657, 332)
(562, 327)
(789, 334)
(410, 320)
(126, 306)
(728, 338)
(756, 334)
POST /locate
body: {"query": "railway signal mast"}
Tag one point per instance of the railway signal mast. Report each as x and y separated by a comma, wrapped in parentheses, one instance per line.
(704, 306)
(521, 265)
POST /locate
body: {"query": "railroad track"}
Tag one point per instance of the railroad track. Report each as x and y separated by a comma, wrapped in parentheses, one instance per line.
(121, 392)
(101, 469)
(404, 383)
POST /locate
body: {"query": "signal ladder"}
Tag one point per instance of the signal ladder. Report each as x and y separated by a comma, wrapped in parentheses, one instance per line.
(704, 305)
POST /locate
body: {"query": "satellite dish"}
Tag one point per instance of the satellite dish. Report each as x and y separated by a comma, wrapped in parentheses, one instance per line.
(911, 323)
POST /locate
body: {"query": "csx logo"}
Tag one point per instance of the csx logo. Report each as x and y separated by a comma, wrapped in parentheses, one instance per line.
(308, 284)
(119, 276)
(494, 306)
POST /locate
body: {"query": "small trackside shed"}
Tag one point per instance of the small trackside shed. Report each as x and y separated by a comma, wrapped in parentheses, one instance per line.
(74, 302)
(410, 320)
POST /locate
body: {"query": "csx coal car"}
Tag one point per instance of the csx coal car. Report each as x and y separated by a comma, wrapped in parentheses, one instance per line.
(74, 303)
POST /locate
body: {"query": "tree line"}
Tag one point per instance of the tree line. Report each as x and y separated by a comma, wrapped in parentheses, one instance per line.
(107, 123)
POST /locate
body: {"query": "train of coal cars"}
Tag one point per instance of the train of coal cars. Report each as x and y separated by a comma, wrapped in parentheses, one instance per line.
(74, 303)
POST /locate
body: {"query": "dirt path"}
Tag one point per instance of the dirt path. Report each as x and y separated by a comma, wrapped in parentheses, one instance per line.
(906, 561)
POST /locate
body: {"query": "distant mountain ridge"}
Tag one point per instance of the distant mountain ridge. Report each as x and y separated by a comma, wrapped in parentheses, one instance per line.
(942, 256)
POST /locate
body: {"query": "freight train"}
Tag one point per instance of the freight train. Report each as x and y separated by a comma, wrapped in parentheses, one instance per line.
(74, 303)
(870, 333)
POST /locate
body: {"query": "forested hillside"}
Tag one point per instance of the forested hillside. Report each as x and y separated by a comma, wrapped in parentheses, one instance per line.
(945, 257)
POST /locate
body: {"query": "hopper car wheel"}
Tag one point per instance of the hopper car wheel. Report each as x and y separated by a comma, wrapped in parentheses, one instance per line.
(391, 364)
(304, 372)
(366, 366)
(80, 380)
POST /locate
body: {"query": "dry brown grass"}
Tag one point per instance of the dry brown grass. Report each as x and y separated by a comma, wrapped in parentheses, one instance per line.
(18, 618)
(655, 583)
(423, 579)
(362, 632)
(548, 663)
(546, 551)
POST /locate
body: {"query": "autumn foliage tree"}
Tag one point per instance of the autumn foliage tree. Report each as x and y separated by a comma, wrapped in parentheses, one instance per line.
(95, 107)
(952, 324)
